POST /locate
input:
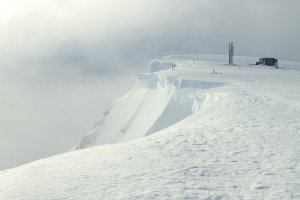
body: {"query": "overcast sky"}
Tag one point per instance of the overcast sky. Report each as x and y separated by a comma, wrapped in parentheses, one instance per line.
(63, 61)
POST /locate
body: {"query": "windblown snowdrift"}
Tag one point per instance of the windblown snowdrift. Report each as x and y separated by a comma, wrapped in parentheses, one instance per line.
(157, 101)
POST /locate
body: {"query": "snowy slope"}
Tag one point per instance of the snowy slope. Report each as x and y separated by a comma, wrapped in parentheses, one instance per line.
(158, 101)
(237, 137)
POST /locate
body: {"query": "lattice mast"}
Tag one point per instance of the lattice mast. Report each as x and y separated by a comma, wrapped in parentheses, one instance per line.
(231, 53)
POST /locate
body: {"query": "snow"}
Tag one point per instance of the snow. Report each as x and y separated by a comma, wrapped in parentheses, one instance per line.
(157, 65)
(229, 135)
(157, 101)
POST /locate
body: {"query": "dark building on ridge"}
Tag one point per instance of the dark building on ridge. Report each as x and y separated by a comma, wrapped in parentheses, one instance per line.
(268, 61)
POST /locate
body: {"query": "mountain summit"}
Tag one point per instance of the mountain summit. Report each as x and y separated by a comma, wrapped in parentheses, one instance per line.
(204, 130)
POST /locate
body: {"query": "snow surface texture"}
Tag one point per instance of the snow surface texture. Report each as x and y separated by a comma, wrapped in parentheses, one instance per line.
(235, 136)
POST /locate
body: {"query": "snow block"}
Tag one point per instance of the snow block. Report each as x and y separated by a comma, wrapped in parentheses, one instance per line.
(157, 65)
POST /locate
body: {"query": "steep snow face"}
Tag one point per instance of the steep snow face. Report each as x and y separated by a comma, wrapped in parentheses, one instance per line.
(158, 101)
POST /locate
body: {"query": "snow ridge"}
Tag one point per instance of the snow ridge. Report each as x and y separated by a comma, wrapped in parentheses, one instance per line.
(157, 102)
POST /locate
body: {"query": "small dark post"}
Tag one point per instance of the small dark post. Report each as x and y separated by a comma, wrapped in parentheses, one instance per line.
(173, 66)
(231, 53)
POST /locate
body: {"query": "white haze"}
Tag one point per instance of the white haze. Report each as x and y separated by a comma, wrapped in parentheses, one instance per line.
(63, 61)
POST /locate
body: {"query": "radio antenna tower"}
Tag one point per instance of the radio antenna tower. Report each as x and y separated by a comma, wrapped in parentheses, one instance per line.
(231, 53)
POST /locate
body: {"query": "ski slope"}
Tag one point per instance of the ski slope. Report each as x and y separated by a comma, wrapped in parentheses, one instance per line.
(183, 134)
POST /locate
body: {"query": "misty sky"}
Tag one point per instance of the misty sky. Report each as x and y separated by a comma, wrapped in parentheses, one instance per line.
(63, 61)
